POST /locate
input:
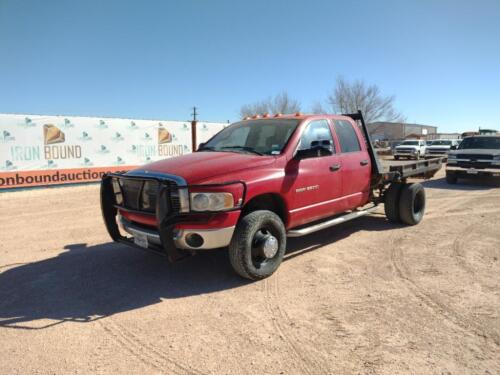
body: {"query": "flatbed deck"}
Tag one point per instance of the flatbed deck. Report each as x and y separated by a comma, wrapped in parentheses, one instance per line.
(412, 168)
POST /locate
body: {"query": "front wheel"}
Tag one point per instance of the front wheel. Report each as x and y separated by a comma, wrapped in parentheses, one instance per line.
(258, 245)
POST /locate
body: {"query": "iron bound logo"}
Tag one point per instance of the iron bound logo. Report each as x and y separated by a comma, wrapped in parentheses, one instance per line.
(52, 134)
(53, 149)
(165, 146)
(164, 136)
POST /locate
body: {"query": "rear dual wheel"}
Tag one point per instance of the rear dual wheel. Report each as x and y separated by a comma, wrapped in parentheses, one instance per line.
(405, 203)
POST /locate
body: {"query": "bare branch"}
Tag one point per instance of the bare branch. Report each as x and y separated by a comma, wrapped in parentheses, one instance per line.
(348, 97)
(280, 103)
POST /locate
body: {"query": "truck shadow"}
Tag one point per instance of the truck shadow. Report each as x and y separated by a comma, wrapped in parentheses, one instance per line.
(301, 245)
(467, 184)
(86, 283)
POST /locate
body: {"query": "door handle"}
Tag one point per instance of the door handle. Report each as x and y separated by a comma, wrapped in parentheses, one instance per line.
(335, 167)
(363, 162)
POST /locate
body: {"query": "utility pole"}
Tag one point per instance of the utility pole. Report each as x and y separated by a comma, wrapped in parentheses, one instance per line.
(193, 129)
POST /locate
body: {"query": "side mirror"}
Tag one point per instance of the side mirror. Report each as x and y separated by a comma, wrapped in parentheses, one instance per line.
(201, 145)
(454, 147)
(318, 148)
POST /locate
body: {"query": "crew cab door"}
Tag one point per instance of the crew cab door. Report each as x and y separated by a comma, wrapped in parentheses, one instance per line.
(314, 183)
(356, 164)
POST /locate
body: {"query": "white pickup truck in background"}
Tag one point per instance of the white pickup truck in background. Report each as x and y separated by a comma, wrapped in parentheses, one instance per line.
(411, 149)
(441, 147)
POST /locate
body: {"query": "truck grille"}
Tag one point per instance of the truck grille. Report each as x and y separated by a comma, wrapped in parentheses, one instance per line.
(474, 156)
(141, 194)
(438, 151)
(405, 150)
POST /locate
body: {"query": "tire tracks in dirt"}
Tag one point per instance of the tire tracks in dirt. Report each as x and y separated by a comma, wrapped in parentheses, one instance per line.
(449, 202)
(143, 351)
(308, 362)
(457, 246)
(435, 305)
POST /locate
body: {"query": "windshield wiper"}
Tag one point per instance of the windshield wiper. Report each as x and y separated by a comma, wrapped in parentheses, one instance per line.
(244, 148)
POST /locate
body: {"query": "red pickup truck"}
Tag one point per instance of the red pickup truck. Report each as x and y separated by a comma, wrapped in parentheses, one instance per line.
(257, 182)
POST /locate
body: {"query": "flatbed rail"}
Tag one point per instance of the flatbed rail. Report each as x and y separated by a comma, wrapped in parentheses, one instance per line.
(397, 171)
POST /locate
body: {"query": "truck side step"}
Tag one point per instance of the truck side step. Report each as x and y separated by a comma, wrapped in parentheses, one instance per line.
(330, 223)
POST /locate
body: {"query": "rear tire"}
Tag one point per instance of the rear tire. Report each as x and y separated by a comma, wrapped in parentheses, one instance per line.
(451, 178)
(412, 204)
(391, 202)
(246, 250)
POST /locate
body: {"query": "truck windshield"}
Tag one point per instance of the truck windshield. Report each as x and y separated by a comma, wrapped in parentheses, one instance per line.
(263, 137)
(491, 143)
(445, 143)
(409, 143)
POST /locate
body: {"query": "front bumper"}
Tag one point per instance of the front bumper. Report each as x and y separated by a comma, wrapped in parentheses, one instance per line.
(436, 155)
(169, 233)
(211, 238)
(471, 172)
(407, 154)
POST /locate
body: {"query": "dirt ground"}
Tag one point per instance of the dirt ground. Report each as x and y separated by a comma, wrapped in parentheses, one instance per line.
(364, 297)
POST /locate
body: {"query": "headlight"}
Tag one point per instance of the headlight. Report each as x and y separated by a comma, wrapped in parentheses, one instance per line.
(452, 156)
(496, 157)
(211, 201)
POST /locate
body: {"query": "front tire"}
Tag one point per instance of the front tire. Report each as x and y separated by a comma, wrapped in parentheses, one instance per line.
(258, 245)
(412, 204)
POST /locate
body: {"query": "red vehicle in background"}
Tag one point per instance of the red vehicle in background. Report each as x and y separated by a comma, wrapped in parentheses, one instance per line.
(257, 182)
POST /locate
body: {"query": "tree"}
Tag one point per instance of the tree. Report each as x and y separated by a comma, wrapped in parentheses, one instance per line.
(280, 103)
(349, 97)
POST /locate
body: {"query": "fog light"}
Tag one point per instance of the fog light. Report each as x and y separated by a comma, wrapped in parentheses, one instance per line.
(194, 240)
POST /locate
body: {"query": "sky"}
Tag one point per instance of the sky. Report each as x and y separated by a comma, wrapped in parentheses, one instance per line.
(156, 59)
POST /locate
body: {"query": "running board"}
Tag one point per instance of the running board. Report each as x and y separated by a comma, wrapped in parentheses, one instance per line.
(329, 223)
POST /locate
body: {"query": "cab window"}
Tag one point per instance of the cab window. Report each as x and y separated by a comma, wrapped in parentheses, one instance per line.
(348, 138)
(318, 130)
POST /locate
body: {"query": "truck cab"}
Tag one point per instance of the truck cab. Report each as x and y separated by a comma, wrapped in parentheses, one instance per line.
(410, 149)
(252, 185)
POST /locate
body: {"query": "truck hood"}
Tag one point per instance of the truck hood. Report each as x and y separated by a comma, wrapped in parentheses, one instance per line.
(199, 166)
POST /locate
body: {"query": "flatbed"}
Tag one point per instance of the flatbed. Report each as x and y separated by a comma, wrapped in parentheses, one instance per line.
(387, 171)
